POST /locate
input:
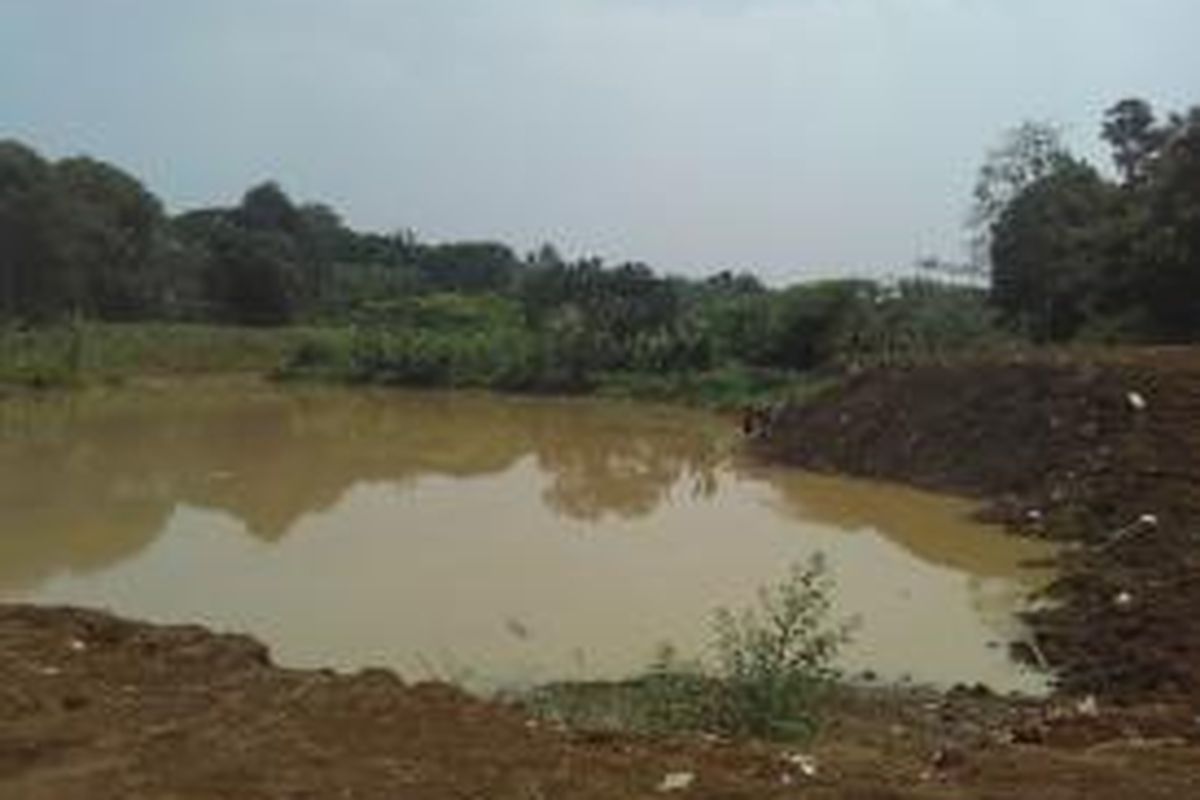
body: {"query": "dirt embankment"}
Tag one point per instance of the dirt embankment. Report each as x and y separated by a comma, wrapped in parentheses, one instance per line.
(96, 707)
(1098, 449)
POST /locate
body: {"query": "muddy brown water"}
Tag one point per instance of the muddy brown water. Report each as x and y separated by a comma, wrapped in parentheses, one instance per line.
(496, 541)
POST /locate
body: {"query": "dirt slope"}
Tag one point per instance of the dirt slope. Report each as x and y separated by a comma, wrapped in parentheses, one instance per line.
(1101, 449)
(95, 707)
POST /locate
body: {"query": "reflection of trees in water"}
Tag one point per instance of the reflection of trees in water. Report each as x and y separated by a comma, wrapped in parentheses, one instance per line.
(935, 529)
(56, 516)
(86, 483)
(602, 464)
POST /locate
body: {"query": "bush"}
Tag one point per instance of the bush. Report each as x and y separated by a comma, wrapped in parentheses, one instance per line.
(773, 665)
(43, 358)
(725, 388)
(774, 661)
(325, 353)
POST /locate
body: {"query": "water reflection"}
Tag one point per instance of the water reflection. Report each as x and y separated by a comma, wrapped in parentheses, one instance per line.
(928, 526)
(523, 537)
(88, 481)
(626, 470)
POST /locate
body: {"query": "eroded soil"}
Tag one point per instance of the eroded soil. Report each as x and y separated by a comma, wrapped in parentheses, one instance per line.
(1100, 450)
(92, 706)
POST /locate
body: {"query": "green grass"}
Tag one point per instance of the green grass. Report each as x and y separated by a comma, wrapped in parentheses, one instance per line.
(82, 353)
(722, 389)
(78, 354)
(516, 361)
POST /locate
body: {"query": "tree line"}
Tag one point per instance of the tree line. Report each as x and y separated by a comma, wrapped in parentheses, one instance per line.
(1068, 252)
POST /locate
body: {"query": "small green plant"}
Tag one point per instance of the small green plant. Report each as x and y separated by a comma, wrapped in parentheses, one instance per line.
(776, 660)
(677, 695)
(49, 357)
(772, 665)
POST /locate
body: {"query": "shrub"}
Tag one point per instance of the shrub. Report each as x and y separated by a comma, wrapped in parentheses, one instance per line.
(773, 664)
(325, 353)
(47, 357)
(774, 661)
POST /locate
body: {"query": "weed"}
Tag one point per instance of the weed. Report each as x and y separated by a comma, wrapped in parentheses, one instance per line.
(78, 352)
(773, 664)
(776, 660)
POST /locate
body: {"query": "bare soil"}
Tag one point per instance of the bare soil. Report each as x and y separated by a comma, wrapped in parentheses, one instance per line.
(92, 706)
(1098, 449)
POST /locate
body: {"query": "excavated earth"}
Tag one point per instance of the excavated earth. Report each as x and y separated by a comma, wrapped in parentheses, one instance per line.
(1082, 447)
(1098, 449)
(96, 707)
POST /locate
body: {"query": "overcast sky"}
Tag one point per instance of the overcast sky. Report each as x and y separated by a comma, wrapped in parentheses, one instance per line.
(793, 137)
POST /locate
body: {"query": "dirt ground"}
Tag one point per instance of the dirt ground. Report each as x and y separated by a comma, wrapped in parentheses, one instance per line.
(96, 707)
(1073, 446)
(1100, 450)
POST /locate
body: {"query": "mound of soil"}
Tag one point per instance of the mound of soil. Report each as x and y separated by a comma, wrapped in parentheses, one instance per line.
(96, 707)
(1099, 449)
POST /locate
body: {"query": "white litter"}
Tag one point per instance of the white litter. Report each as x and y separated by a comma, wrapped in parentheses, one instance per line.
(78, 645)
(1088, 706)
(1149, 520)
(676, 781)
(805, 763)
(1136, 401)
(1123, 599)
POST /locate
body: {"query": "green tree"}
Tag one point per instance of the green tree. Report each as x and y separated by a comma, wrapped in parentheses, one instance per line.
(1048, 251)
(250, 276)
(110, 225)
(468, 267)
(1168, 249)
(256, 276)
(1028, 153)
(77, 236)
(24, 247)
(266, 207)
(1131, 130)
(809, 323)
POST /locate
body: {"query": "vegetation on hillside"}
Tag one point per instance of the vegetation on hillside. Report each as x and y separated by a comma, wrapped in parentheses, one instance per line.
(1075, 254)
(1064, 253)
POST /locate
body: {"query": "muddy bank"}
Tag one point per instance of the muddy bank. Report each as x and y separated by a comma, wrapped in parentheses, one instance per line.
(1101, 450)
(92, 706)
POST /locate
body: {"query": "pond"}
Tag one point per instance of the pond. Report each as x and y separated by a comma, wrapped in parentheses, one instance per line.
(492, 540)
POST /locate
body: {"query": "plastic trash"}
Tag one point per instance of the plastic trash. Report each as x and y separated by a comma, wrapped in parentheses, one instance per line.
(676, 781)
(805, 763)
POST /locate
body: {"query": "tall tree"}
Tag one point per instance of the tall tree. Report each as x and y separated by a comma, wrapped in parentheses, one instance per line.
(1131, 131)
(1169, 248)
(1029, 152)
(266, 207)
(1047, 251)
(75, 236)
(110, 226)
(24, 188)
